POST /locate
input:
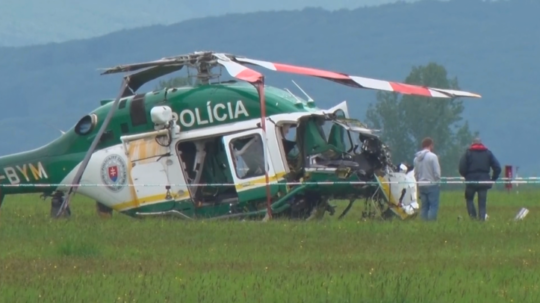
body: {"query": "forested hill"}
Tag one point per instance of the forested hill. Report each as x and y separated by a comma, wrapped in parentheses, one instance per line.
(28, 22)
(492, 48)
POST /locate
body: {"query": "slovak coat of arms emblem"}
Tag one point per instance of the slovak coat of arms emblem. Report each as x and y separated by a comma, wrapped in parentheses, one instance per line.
(113, 172)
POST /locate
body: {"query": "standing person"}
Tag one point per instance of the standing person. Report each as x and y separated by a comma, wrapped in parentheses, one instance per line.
(427, 172)
(474, 166)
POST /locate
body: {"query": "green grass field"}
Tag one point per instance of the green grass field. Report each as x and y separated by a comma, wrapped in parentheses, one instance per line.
(88, 259)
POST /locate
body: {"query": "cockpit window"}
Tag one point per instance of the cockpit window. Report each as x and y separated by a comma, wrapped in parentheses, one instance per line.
(342, 133)
(337, 136)
(315, 139)
(340, 113)
(288, 132)
(340, 137)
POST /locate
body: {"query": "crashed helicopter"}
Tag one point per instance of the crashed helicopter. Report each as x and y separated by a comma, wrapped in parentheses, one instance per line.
(220, 149)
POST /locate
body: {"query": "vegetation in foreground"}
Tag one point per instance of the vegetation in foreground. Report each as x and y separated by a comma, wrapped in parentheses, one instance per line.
(88, 259)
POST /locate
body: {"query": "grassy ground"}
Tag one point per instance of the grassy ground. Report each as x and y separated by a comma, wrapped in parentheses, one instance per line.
(87, 259)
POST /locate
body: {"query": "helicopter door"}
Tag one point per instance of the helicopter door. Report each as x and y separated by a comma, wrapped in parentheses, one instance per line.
(245, 154)
(157, 175)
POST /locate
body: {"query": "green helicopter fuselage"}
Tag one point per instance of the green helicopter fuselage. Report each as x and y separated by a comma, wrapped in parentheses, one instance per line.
(197, 107)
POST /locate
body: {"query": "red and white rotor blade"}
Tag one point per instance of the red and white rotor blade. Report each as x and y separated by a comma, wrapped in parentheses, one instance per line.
(410, 89)
(238, 70)
(361, 82)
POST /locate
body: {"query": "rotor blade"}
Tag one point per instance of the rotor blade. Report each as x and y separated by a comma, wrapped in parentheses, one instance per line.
(361, 82)
(78, 175)
(238, 70)
(136, 80)
(137, 66)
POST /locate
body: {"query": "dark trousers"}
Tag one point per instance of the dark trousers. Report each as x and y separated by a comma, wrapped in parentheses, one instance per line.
(470, 191)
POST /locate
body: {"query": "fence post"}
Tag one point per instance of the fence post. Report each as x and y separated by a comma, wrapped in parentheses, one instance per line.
(508, 174)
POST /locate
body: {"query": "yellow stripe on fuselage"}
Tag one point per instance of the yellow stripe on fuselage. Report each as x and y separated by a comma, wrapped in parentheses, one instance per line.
(155, 199)
(261, 181)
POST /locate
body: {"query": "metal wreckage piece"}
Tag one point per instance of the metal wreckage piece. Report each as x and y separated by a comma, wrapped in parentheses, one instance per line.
(522, 213)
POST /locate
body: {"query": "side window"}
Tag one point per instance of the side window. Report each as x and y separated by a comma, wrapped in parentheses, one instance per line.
(289, 132)
(289, 143)
(248, 156)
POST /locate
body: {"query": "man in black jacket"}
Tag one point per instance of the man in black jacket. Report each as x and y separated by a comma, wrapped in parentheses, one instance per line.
(474, 166)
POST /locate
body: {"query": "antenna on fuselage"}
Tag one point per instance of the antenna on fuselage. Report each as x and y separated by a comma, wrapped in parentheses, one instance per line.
(305, 94)
(298, 101)
(55, 128)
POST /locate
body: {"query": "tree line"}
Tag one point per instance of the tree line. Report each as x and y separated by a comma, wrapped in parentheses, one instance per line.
(405, 120)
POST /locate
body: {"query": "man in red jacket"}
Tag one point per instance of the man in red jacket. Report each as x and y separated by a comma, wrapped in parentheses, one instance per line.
(475, 166)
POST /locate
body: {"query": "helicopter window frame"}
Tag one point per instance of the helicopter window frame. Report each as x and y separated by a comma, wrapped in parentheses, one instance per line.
(278, 129)
(325, 130)
(346, 136)
(351, 141)
(88, 120)
(353, 126)
(340, 113)
(235, 157)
